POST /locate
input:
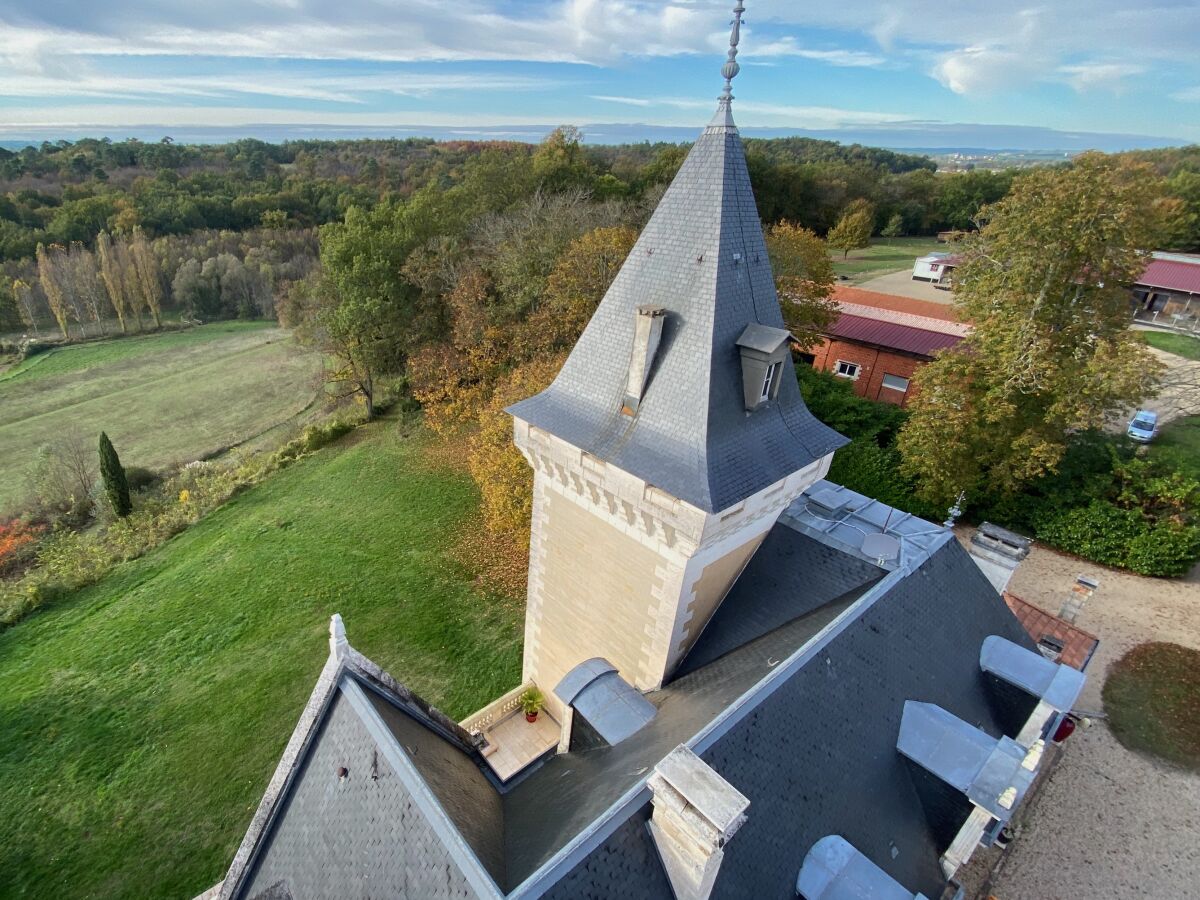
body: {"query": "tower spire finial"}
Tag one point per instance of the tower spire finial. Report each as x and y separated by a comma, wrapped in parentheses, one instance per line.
(731, 67)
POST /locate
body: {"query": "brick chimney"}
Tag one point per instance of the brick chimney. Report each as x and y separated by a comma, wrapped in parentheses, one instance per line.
(998, 551)
(696, 812)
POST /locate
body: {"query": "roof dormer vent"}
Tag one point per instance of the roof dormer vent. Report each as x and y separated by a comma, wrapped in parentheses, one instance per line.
(764, 352)
(647, 333)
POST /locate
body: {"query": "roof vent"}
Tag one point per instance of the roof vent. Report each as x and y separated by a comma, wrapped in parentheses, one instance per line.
(764, 352)
(883, 548)
(829, 503)
(647, 334)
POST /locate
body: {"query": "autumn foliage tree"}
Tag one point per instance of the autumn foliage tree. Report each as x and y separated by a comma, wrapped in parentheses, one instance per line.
(853, 228)
(1046, 285)
(803, 279)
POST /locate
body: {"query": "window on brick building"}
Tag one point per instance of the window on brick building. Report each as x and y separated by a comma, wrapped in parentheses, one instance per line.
(846, 369)
(896, 383)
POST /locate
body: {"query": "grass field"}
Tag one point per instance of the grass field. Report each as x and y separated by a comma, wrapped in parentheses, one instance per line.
(142, 718)
(1179, 442)
(1180, 344)
(884, 255)
(1152, 698)
(163, 399)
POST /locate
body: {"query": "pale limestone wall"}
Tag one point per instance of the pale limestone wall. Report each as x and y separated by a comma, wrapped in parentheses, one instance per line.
(622, 570)
(602, 583)
(710, 589)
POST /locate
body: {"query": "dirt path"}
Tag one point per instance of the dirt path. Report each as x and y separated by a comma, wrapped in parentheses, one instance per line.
(1108, 822)
(901, 284)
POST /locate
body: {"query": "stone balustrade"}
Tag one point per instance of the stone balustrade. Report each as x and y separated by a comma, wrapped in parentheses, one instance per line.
(480, 721)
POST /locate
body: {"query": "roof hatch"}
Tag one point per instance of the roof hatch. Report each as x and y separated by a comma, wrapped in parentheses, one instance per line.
(1053, 683)
(994, 774)
(612, 707)
(835, 870)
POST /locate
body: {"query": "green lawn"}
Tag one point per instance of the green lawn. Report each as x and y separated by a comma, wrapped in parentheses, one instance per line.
(1179, 442)
(163, 399)
(1180, 344)
(141, 719)
(1152, 698)
(883, 256)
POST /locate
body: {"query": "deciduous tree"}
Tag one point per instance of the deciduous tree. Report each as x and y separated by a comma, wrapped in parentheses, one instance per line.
(804, 280)
(114, 277)
(853, 228)
(1046, 286)
(52, 286)
(149, 274)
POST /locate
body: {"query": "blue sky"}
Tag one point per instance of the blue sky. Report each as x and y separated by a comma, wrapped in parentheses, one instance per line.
(1097, 66)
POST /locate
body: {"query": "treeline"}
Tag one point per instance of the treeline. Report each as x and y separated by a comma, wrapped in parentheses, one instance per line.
(127, 283)
(65, 192)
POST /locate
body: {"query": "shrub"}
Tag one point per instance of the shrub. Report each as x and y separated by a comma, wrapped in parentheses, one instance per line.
(18, 545)
(1099, 531)
(1164, 550)
(140, 478)
(833, 401)
(874, 471)
(67, 560)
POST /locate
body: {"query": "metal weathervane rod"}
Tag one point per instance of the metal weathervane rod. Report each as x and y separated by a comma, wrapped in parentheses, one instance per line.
(730, 69)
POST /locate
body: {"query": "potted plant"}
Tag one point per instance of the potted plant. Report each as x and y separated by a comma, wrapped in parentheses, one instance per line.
(532, 702)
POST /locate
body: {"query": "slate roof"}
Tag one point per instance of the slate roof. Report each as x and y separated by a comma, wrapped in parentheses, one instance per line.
(815, 751)
(701, 256)
(377, 794)
(793, 693)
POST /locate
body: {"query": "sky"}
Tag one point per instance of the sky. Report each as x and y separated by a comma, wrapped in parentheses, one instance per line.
(850, 66)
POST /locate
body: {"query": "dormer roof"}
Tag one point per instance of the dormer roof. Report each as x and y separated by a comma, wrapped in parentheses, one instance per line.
(703, 259)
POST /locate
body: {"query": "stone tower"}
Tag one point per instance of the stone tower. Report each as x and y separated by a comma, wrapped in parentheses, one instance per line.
(673, 437)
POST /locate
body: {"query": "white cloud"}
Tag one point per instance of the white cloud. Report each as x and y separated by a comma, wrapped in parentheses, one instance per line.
(627, 101)
(334, 89)
(971, 46)
(981, 70)
(770, 114)
(788, 46)
(1188, 95)
(1100, 75)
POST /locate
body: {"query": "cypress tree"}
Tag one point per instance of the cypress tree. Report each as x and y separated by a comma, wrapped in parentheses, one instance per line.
(113, 473)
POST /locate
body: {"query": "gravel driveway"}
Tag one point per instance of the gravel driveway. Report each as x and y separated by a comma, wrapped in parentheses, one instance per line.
(1108, 822)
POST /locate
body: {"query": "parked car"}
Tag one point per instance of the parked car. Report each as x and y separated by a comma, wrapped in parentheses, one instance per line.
(1143, 426)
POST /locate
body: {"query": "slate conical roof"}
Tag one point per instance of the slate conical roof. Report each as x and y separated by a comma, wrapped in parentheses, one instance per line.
(703, 258)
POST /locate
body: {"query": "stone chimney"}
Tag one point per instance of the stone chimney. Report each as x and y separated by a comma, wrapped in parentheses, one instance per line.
(647, 333)
(998, 551)
(696, 812)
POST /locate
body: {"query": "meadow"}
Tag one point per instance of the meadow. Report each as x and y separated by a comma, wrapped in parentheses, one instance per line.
(142, 717)
(164, 399)
(883, 256)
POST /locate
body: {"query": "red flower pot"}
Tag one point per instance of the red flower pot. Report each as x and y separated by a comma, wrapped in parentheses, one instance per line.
(530, 717)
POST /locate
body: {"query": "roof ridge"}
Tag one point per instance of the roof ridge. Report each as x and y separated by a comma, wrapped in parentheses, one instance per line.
(912, 320)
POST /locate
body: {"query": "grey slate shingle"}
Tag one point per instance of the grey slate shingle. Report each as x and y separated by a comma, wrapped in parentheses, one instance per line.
(701, 256)
(818, 755)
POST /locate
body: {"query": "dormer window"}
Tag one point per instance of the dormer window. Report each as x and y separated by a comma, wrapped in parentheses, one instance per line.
(770, 382)
(764, 350)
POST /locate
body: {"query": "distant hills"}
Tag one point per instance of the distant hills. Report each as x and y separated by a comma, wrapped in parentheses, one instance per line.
(934, 138)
